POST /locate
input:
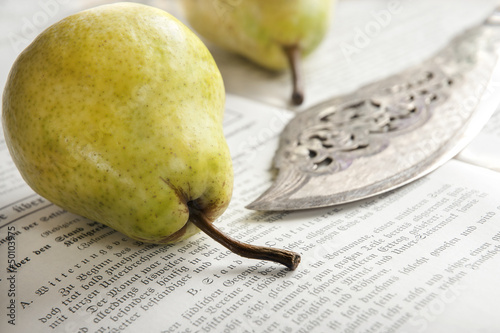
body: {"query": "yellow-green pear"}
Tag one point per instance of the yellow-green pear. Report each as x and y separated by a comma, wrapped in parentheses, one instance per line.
(115, 113)
(273, 33)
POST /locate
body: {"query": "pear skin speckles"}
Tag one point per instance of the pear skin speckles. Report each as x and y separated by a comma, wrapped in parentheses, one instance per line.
(105, 104)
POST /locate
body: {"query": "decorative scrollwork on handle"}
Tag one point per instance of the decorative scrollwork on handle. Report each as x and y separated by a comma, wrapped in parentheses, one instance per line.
(343, 132)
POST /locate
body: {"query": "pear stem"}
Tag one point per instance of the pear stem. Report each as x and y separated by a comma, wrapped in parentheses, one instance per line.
(293, 54)
(288, 258)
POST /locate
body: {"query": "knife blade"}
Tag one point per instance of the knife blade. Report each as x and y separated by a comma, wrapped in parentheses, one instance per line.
(391, 132)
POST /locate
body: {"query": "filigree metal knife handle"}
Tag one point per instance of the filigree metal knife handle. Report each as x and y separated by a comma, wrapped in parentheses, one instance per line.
(388, 133)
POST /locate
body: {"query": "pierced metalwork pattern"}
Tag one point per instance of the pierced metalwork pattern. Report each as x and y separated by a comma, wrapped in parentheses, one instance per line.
(344, 132)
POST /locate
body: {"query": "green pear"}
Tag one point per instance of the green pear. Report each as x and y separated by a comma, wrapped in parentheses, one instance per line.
(272, 33)
(115, 113)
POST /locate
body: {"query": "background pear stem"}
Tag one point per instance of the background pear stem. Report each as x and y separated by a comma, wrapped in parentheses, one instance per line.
(288, 258)
(293, 54)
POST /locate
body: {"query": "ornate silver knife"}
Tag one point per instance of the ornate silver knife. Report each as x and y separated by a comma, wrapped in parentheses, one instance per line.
(388, 133)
